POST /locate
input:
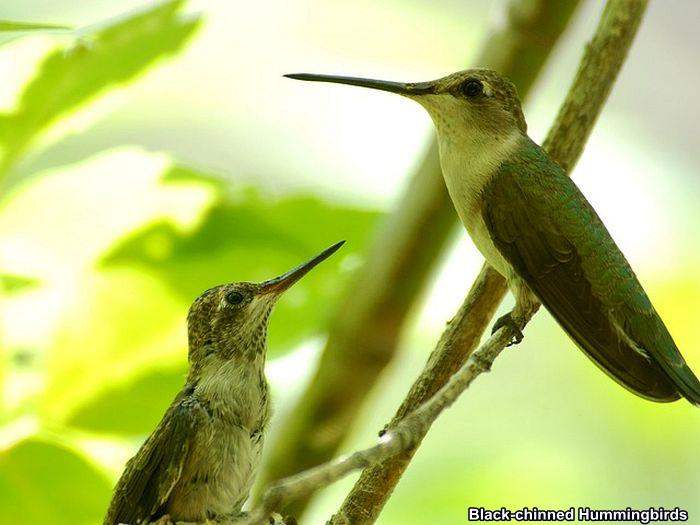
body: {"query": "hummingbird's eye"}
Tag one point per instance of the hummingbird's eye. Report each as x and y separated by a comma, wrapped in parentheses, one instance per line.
(472, 88)
(234, 298)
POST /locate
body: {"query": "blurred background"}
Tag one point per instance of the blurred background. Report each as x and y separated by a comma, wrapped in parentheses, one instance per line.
(156, 150)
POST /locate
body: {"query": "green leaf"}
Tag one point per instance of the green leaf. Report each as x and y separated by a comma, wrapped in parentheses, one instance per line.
(249, 238)
(10, 25)
(10, 284)
(68, 78)
(49, 484)
(114, 324)
(123, 324)
(140, 403)
(178, 173)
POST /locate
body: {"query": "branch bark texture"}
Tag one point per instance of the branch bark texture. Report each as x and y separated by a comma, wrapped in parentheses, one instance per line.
(364, 333)
(599, 67)
(405, 435)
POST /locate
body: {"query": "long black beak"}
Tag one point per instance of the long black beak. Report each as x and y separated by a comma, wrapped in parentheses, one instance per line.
(284, 281)
(420, 88)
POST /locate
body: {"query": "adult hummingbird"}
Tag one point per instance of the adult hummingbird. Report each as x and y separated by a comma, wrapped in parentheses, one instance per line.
(535, 227)
(200, 461)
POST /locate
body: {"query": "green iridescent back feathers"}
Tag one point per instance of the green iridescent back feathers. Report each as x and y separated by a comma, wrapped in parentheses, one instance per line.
(544, 226)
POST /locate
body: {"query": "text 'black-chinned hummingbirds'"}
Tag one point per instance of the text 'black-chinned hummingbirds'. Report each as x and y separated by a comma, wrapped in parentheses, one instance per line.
(201, 460)
(535, 227)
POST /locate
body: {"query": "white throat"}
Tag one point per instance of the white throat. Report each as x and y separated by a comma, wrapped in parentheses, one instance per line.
(468, 162)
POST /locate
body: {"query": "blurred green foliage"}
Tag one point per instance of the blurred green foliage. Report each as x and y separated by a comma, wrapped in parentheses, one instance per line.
(11, 26)
(98, 60)
(141, 402)
(16, 283)
(45, 482)
(117, 353)
(241, 237)
(246, 236)
(11, 29)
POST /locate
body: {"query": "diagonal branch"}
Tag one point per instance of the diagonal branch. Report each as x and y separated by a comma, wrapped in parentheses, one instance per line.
(405, 435)
(599, 67)
(364, 333)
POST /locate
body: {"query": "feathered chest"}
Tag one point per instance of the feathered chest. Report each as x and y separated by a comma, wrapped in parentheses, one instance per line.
(237, 396)
(225, 451)
(468, 163)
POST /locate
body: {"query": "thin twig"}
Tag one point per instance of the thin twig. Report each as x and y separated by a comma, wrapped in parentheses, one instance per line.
(405, 435)
(364, 333)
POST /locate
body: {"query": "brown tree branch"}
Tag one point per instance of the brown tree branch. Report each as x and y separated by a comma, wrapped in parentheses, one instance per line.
(599, 67)
(364, 332)
(405, 435)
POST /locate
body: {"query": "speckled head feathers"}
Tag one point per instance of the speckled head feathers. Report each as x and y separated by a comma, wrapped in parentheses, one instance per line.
(484, 91)
(231, 320)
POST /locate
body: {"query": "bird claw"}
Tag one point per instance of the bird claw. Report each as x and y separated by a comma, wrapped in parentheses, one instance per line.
(508, 321)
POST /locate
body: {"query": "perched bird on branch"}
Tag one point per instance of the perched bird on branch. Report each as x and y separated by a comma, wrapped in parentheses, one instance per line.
(200, 461)
(534, 226)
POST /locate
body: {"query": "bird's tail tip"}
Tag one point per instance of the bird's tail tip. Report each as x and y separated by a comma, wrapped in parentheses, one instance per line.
(688, 385)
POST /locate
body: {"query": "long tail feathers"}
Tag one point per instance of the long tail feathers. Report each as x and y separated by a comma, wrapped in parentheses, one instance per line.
(684, 379)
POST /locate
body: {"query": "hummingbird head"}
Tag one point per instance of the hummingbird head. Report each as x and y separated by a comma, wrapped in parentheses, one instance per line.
(474, 101)
(228, 323)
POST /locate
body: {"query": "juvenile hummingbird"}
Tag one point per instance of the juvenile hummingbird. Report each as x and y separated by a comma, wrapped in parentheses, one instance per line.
(200, 461)
(534, 226)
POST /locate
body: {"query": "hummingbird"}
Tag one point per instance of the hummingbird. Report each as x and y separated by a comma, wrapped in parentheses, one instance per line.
(535, 227)
(201, 460)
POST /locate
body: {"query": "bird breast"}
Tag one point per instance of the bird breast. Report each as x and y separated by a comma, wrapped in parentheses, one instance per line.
(219, 473)
(221, 466)
(238, 393)
(468, 162)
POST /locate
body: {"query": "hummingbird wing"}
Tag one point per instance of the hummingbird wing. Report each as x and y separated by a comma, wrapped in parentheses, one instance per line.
(546, 229)
(151, 474)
